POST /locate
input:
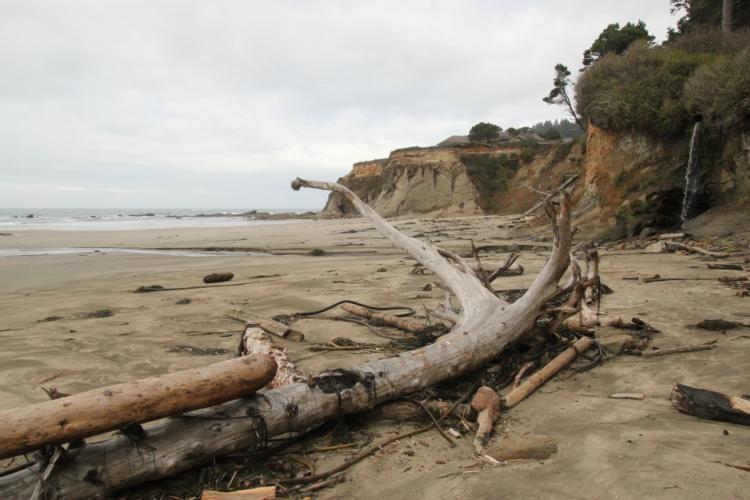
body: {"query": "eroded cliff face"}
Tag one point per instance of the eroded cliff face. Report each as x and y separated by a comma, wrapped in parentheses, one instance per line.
(412, 181)
(630, 182)
(634, 182)
(457, 180)
(732, 181)
(627, 182)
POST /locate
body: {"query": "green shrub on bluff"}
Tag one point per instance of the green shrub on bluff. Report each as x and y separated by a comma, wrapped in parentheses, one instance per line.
(490, 174)
(720, 91)
(484, 132)
(640, 90)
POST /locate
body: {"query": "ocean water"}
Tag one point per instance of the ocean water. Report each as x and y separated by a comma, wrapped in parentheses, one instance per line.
(123, 219)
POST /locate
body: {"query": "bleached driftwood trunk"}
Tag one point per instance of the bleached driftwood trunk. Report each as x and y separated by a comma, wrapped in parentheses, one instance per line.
(89, 413)
(485, 326)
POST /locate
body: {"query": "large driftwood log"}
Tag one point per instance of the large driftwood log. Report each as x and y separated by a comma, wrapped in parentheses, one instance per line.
(710, 404)
(485, 326)
(89, 413)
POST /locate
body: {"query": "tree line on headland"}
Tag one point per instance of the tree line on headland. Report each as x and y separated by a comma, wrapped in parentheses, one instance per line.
(627, 82)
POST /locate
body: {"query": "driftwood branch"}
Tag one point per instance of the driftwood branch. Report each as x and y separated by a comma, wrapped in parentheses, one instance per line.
(388, 319)
(550, 196)
(678, 350)
(550, 370)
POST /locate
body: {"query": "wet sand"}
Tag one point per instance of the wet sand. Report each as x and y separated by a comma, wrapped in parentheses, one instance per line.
(606, 448)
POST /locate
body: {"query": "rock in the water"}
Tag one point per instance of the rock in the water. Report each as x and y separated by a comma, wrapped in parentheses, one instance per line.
(217, 277)
(525, 447)
(648, 232)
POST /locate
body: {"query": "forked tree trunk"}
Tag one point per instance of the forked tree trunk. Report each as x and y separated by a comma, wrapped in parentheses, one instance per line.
(485, 326)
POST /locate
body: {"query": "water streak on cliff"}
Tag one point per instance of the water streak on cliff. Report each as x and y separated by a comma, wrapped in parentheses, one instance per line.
(691, 174)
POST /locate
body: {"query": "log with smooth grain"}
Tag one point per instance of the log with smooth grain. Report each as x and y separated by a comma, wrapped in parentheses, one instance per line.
(89, 413)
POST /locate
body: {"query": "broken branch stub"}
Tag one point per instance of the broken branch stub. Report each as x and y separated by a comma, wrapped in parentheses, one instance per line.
(255, 341)
(485, 327)
(488, 405)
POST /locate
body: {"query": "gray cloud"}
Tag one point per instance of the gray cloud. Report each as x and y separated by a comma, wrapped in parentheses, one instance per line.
(180, 103)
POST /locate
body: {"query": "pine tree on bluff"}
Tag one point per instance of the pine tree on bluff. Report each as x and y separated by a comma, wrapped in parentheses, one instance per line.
(616, 40)
(559, 92)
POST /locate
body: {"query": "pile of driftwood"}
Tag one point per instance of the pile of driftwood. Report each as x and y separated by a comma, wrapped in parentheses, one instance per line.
(261, 395)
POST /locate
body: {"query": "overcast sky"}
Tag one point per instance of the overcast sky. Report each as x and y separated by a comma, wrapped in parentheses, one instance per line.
(221, 103)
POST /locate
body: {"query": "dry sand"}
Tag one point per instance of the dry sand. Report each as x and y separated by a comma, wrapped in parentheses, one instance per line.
(606, 448)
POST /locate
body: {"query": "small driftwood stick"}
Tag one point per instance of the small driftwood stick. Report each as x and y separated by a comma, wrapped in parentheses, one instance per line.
(89, 413)
(506, 270)
(711, 405)
(388, 319)
(627, 395)
(677, 350)
(672, 236)
(268, 325)
(550, 370)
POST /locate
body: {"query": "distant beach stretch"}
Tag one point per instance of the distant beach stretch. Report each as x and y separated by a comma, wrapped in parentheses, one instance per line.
(113, 219)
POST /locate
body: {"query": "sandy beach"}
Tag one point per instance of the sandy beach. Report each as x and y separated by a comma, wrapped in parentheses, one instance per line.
(606, 448)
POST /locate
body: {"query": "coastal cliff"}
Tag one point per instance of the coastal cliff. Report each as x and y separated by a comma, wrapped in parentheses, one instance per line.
(626, 183)
(412, 181)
